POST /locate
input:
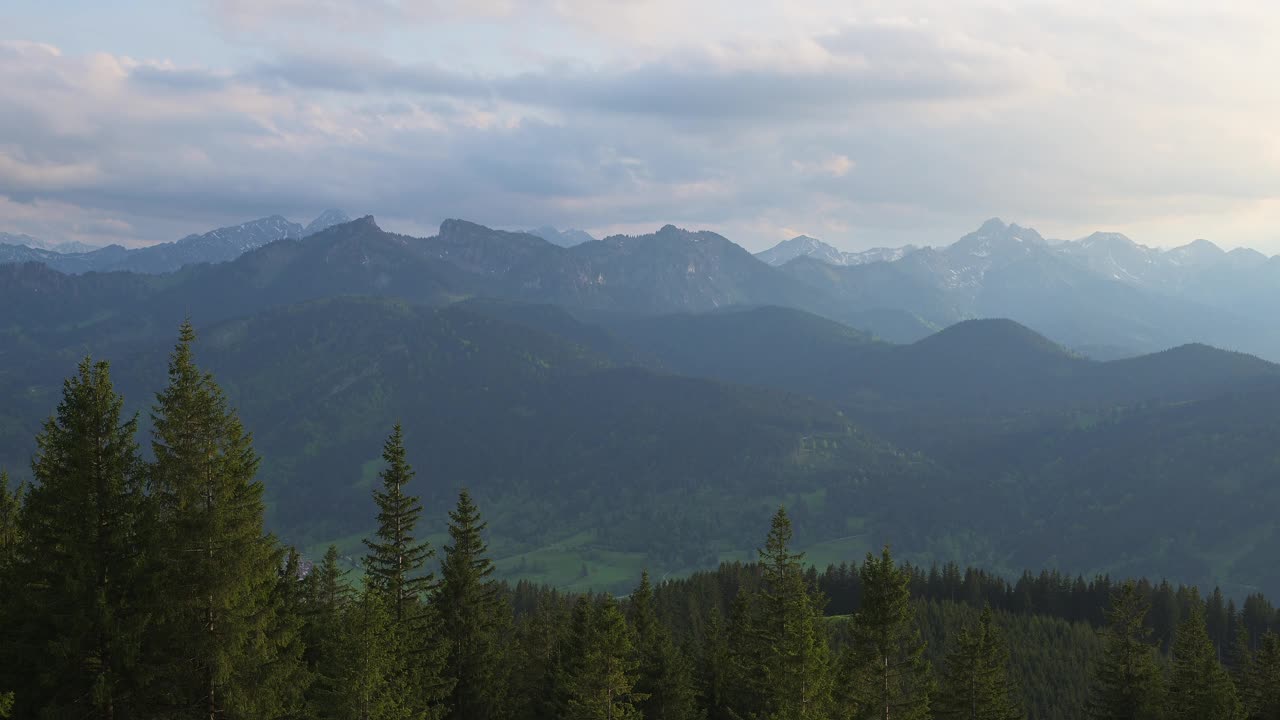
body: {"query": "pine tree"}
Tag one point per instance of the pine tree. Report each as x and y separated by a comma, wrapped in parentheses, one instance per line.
(1198, 686)
(600, 681)
(474, 619)
(368, 681)
(976, 683)
(1240, 657)
(714, 668)
(394, 568)
(666, 675)
(542, 653)
(1260, 687)
(1126, 681)
(395, 561)
(290, 603)
(223, 646)
(327, 597)
(884, 673)
(79, 564)
(779, 657)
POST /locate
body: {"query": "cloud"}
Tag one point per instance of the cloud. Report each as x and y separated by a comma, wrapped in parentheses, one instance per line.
(867, 124)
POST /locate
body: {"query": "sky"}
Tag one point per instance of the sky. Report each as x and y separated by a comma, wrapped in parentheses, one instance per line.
(864, 122)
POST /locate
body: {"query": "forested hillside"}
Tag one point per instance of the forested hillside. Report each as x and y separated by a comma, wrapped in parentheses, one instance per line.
(986, 443)
(174, 601)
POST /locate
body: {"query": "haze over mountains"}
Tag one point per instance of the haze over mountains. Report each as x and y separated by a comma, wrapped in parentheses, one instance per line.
(1104, 295)
(673, 381)
(218, 245)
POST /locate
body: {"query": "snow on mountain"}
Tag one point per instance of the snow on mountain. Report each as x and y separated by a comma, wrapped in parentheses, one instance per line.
(805, 246)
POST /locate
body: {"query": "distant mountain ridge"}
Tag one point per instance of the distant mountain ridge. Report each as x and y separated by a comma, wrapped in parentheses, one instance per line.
(73, 246)
(805, 246)
(563, 238)
(215, 246)
(1103, 295)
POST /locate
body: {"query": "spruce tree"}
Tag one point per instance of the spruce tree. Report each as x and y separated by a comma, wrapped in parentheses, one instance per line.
(601, 677)
(474, 619)
(541, 656)
(779, 657)
(1260, 687)
(327, 596)
(976, 685)
(80, 563)
(715, 668)
(884, 673)
(1198, 686)
(223, 648)
(394, 569)
(1126, 682)
(368, 681)
(666, 674)
(395, 561)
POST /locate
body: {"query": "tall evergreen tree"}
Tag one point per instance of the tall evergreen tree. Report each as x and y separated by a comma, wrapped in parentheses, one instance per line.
(395, 561)
(666, 674)
(80, 562)
(779, 657)
(223, 645)
(394, 568)
(1126, 681)
(474, 618)
(1260, 688)
(884, 673)
(976, 685)
(601, 677)
(1198, 686)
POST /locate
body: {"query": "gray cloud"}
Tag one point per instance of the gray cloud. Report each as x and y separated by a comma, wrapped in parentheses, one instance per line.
(932, 126)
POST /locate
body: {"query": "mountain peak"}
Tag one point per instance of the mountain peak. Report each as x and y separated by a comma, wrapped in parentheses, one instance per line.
(992, 225)
(802, 246)
(326, 220)
(563, 238)
(1107, 239)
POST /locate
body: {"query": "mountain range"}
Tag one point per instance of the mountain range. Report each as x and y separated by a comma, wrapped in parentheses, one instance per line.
(1104, 296)
(674, 381)
(805, 246)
